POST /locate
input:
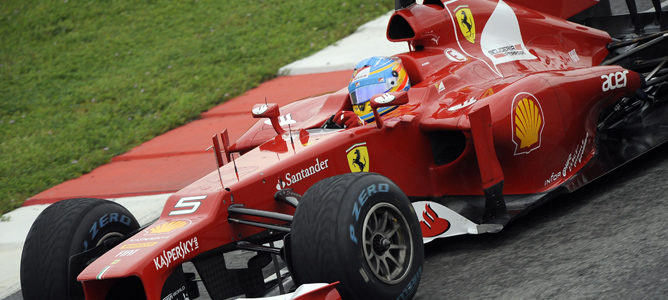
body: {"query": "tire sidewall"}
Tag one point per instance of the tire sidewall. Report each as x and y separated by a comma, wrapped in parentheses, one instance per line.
(356, 203)
(60, 231)
(105, 218)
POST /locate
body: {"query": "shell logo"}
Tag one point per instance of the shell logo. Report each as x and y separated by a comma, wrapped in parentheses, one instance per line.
(168, 227)
(528, 122)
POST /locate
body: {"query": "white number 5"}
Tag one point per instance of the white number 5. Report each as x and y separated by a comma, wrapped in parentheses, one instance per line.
(189, 205)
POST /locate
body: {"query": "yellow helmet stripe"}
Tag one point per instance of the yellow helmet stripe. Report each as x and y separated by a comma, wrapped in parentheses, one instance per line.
(384, 68)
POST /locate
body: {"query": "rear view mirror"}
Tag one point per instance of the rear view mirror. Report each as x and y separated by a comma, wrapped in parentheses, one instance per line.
(268, 110)
(271, 111)
(387, 99)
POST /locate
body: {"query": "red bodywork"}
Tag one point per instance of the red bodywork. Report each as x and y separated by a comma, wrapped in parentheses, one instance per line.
(521, 87)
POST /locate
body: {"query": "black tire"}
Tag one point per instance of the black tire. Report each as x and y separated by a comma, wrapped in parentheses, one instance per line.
(63, 229)
(329, 240)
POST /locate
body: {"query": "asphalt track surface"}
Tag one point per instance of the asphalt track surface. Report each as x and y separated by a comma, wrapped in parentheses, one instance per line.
(608, 240)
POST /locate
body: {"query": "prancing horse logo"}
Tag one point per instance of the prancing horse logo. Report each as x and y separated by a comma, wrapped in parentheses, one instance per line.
(466, 24)
(358, 158)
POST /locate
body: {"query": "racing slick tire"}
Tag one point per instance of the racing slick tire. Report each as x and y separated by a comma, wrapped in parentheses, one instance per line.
(359, 229)
(63, 229)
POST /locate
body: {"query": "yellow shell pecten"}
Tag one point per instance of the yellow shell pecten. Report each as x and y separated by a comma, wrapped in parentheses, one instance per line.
(169, 226)
(528, 121)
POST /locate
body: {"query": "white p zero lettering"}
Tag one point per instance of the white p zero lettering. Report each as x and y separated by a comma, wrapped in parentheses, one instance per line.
(614, 80)
(189, 205)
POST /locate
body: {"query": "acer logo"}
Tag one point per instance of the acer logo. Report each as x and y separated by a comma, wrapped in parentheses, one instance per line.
(614, 80)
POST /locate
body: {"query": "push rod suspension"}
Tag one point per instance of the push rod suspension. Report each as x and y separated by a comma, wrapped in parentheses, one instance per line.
(260, 224)
(234, 209)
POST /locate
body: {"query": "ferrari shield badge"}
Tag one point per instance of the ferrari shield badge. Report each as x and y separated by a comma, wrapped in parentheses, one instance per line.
(528, 122)
(466, 23)
(358, 158)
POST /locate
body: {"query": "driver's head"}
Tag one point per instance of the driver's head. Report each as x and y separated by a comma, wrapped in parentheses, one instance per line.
(372, 76)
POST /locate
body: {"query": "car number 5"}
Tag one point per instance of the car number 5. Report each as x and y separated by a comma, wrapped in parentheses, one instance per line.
(188, 204)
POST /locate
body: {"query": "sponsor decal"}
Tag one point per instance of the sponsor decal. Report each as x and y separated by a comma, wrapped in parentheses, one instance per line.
(115, 261)
(574, 56)
(258, 110)
(283, 120)
(527, 123)
(361, 73)
(384, 98)
(440, 86)
(462, 105)
(148, 238)
(124, 253)
(432, 225)
(503, 51)
(358, 158)
(614, 80)
(168, 226)
(466, 23)
(139, 245)
(573, 161)
(175, 254)
(361, 199)
(99, 275)
(176, 293)
(438, 221)
(454, 55)
(291, 179)
(501, 39)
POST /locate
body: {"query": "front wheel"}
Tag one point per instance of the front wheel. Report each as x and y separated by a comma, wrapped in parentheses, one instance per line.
(359, 229)
(62, 230)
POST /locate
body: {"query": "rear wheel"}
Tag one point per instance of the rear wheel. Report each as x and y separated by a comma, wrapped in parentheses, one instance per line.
(64, 229)
(359, 229)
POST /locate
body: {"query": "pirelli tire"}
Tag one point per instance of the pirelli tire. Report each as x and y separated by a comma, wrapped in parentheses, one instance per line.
(63, 229)
(359, 229)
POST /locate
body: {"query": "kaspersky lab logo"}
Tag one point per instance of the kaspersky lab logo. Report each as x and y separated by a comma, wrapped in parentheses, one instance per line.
(290, 179)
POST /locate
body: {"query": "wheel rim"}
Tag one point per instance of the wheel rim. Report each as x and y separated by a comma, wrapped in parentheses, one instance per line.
(109, 235)
(387, 243)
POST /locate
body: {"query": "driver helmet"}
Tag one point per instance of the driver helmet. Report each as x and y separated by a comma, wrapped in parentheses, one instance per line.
(372, 76)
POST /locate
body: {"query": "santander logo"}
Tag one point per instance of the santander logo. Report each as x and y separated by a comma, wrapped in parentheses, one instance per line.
(290, 178)
(432, 224)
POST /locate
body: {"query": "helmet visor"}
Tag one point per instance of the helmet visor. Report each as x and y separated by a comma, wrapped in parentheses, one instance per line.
(364, 93)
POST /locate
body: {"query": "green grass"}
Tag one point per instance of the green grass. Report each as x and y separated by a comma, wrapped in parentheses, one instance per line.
(83, 81)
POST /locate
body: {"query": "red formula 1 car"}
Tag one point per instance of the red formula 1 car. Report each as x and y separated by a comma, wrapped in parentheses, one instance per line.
(510, 106)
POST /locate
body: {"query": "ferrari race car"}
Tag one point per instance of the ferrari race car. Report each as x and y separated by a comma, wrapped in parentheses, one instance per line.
(510, 105)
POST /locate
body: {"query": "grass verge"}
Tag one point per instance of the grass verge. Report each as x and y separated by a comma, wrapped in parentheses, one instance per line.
(83, 81)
